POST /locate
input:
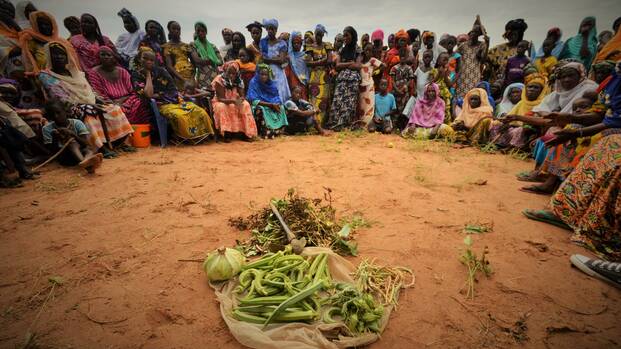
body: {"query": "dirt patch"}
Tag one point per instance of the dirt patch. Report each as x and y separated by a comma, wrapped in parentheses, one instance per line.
(116, 240)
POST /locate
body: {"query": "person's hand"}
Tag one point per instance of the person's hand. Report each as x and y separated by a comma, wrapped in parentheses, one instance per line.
(509, 118)
(275, 107)
(55, 132)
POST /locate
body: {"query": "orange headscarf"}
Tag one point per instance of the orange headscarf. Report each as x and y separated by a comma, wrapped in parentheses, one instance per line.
(402, 34)
(612, 45)
(471, 116)
(27, 35)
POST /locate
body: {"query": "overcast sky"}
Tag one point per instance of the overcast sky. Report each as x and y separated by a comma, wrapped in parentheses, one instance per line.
(447, 16)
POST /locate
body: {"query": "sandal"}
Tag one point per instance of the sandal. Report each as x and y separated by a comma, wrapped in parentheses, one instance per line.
(109, 154)
(127, 148)
(527, 176)
(11, 183)
(533, 189)
(545, 217)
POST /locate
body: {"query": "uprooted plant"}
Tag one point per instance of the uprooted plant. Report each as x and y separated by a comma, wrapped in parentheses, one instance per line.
(312, 219)
(475, 264)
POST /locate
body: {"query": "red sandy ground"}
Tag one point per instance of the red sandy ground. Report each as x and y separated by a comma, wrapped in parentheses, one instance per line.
(115, 239)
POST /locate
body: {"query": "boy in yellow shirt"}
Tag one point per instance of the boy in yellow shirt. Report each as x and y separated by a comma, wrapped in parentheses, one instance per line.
(545, 65)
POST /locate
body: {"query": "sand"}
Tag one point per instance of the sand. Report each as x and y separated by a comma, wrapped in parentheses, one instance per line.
(116, 239)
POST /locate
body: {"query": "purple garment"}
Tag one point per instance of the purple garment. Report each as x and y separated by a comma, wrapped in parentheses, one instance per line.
(515, 69)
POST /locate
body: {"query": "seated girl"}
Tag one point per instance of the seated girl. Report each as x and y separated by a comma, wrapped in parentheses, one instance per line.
(188, 121)
(62, 130)
(301, 115)
(63, 80)
(231, 111)
(269, 113)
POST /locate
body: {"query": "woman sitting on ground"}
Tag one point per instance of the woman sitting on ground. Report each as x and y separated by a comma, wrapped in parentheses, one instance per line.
(62, 130)
(188, 121)
(512, 132)
(231, 111)
(269, 113)
(63, 80)
(473, 123)
(113, 85)
(428, 114)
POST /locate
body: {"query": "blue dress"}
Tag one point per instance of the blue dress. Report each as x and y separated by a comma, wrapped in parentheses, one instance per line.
(273, 51)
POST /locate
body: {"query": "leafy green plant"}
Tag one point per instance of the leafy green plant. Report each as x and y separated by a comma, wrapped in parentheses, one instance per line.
(475, 264)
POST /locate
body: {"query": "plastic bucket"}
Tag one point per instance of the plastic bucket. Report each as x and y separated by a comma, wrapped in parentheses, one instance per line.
(142, 135)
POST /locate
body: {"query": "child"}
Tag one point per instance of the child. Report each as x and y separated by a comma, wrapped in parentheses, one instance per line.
(198, 96)
(62, 130)
(366, 100)
(454, 61)
(301, 114)
(514, 71)
(385, 107)
(545, 65)
(445, 79)
(247, 67)
(403, 80)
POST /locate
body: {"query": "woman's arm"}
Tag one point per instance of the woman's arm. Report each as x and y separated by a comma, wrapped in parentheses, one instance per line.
(221, 95)
(282, 57)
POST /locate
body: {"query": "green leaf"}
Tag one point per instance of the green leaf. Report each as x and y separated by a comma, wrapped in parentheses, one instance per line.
(468, 241)
(345, 231)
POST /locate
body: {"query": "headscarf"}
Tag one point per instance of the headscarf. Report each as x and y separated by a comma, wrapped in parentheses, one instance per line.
(321, 28)
(75, 87)
(574, 44)
(558, 45)
(488, 90)
(270, 23)
(413, 34)
(9, 32)
(377, 35)
(436, 48)
(517, 25)
(71, 20)
(161, 35)
(127, 44)
(205, 49)
(428, 113)
(298, 64)
(613, 45)
(524, 106)
(506, 105)
(20, 14)
(237, 81)
(348, 52)
(606, 66)
(562, 100)
(402, 34)
(462, 37)
(613, 98)
(258, 91)
(471, 116)
(98, 34)
(26, 35)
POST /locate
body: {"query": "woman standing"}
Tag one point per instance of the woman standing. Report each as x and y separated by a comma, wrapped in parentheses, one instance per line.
(127, 43)
(256, 31)
(583, 46)
(401, 39)
(177, 56)
(274, 53)
(318, 60)
(113, 85)
(553, 36)
(612, 49)
(154, 39)
(348, 64)
(88, 43)
(366, 101)
(205, 56)
(500, 54)
(268, 109)
(189, 121)
(473, 53)
(63, 80)
(231, 111)
(297, 71)
(238, 41)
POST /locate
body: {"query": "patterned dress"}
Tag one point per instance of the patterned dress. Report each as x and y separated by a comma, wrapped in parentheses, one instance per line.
(180, 53)
(88, 52)
(345, 102)
(319, 84)
(205, 73)
(445, 93)
(497, 58)
(470, 73)
(366, 101)
(231, 117)
(589, 200)
(402, 76)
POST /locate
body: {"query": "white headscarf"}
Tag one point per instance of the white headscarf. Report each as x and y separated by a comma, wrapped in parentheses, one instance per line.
(505, 105)
(562, 100)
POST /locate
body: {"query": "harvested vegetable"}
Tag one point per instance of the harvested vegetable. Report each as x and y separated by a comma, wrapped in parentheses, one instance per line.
(223, 264)
(312, 220)
(384, 281)
(359, 310)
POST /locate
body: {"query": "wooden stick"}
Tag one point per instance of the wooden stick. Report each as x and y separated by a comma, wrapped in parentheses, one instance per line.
(284, 225)
(55, 155)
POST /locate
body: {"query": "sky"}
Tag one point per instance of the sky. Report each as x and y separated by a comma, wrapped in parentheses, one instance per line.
(447, 16)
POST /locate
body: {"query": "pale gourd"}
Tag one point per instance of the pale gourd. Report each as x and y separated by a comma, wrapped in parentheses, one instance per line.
(223, 264)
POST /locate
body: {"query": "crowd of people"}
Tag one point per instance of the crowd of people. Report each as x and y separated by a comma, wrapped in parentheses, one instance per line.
(77, 98)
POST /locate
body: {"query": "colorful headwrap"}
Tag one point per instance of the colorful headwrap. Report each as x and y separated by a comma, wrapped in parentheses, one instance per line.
(377, 35)
(428, 34)
(402, 34)
(321, 28)
(270, 23)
